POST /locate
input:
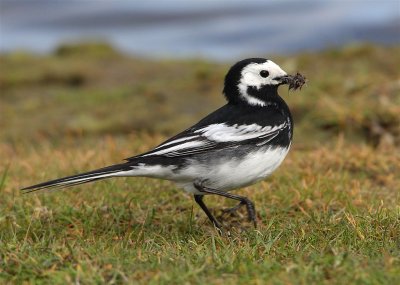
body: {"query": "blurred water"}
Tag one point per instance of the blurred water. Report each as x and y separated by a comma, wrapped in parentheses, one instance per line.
(219, 29)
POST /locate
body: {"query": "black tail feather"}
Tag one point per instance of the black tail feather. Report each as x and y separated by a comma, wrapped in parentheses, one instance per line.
(81, 178)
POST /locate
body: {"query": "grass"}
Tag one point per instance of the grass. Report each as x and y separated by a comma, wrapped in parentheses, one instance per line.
(329, 215)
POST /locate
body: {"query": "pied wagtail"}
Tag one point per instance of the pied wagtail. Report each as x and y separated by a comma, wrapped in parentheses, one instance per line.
(237, 145)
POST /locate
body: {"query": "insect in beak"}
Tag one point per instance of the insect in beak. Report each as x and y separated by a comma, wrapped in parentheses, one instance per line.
(294, 81)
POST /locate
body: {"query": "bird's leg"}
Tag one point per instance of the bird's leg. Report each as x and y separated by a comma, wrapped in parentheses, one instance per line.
(199, 200)
(251, 212)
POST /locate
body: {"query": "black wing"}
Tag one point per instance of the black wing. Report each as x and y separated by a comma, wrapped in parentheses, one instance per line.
(212, 134)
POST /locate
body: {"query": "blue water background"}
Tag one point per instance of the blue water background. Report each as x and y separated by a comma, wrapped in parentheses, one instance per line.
(218, 29)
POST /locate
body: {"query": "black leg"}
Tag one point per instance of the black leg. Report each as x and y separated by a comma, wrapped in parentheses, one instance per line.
(251, 212)
(199, 200)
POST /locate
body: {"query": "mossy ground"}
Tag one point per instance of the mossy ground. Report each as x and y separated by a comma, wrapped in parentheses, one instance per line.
(329, 215)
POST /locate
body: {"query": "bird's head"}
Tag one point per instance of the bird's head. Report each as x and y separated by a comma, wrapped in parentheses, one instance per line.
(254, 80)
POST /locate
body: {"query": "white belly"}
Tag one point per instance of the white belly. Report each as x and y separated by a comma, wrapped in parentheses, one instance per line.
(233, 173)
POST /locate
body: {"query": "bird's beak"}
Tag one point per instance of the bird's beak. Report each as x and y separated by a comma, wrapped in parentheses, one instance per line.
(284, 79)
(294, 81)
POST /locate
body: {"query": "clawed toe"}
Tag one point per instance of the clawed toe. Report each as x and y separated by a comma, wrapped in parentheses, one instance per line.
(232, 210)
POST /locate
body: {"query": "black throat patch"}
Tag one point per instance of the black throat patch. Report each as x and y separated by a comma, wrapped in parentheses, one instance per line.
(264, 94)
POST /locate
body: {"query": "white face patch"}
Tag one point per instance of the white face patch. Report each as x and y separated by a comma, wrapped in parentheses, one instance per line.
(250, 76)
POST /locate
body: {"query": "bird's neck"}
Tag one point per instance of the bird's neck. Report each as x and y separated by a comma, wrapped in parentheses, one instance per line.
(253, 97)
(268, 97)
(265, 97)
(262, 96)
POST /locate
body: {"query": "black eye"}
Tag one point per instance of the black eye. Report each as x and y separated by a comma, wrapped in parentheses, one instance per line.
(264, 73)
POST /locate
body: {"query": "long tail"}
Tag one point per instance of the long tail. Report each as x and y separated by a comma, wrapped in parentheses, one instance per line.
(106, 172)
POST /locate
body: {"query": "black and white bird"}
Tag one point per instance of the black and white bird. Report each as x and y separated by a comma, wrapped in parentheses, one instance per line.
(237, 145)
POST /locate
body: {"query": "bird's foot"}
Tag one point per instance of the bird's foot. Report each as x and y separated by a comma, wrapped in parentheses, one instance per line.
(233, 210)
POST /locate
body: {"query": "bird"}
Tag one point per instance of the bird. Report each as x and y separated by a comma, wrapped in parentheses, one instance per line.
(239, 144)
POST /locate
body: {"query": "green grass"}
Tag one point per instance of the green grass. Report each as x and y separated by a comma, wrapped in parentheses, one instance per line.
(329, 215)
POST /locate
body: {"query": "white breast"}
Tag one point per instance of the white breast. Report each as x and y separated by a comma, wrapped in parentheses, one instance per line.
(233, 173)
